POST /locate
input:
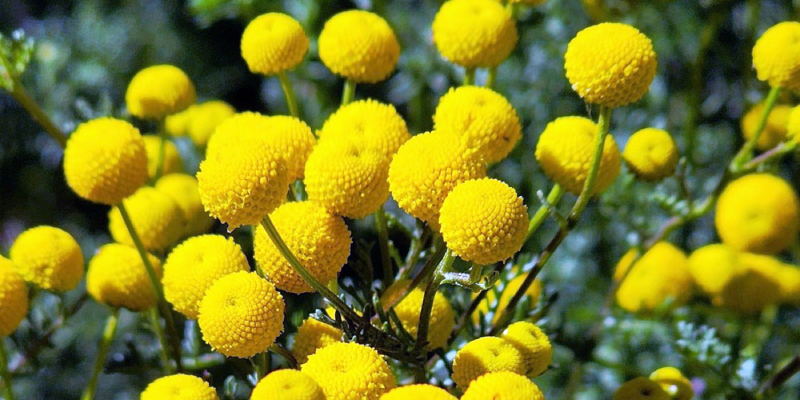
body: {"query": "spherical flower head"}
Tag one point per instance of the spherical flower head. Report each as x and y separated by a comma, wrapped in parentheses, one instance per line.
(442, 316)
(474, 33)
(117, 277)
(319, 240)
(484, 355)
(287, 384)
(793, 125)
(673, 382)
(533, 344)
(350, 371)
(531, 295)
(502, 385)
(418, 391)
(359, 46)
(158, 91)
(483, 118)
(426, 169)
(178, 124)
(565, 150)
(641, 388)
(183, 189)
(712, 266)
(789, 279)
(156, 218)
(179, 387)
(346, 178)
(651, 154)
(199, 121)
(659, 275)
(776, 55)
(313, 335)
(610, 64)
(194, 265)
(171, 161)
(48, 257)
(754, 287)
(105, 160)
(273, 43)
(372, 124)
(13, 297)
(758, 213)
(241, 315)
(775, 131)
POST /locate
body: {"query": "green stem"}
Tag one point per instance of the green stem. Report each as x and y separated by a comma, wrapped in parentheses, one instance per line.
(426, 309)
(541, 214)
(491, 77)
(288, 92)
(32, 107)
(469, 76)
(4, 370)
(152, 315)
(262, 365)
(746, 153)
(383, 243)
(281, 351)
(349, 92)
(594, 168)
(102, 352)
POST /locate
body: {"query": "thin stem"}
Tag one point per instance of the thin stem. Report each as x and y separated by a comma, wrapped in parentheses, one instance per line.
(288, 92)
(423, 275)
(426, 309)
(491, 77)
(262, 365)
(152, 315)
(594, 168)
(283, 352)
(781, 376)
(32, 107)
(349, 92)
(102, 352)
(746, 153)
(4, 370)
(469, 76)
(541, 214)
(473, 305)
(383, 243)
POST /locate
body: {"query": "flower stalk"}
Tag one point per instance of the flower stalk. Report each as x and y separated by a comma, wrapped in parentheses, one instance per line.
(288, 92)
(4, 371)
(102, 352)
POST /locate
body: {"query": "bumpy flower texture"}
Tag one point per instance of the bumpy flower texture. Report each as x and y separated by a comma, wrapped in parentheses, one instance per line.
(776, 55)
(359, 46)
(182, 189)
(350, 371)
(158, 91)
(474, 33)
(641, 388)
(199, 121)
(48, 257)
(418, 391)
(659, 275)
(483, 355)
(105, 160)
(610, 64)
(179, 387)
(651, 154)
(171, 161)
(775, 131)
(533, 344)
(502, 385)
(287, 384)
(157, 219)
(118, 278)
(13, 297)
(407, 310)
(273, 43)
(372, 124)
(313, 335)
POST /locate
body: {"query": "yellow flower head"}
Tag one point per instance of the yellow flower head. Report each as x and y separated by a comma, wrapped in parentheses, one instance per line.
(565, 152)
(610, 64)
(484, 119)
(754, 286)
(533, 344)
(483, 355)
(651, 154)
(484, 220)
(194, 265)
(117, 278)
(105, 160)
(313, 335)
(418, 391)
(776, 55)
(318, 239)
(775, 131)
(641, 388)
(241, 315)
(673, 382)
(183, 189)
(474, 33)
(158, 91)
(502, 385)
(532, 294)
(659, 275)
(712, 266)
(374, 125)
(350, 371)
(426, 169)
(172, 161)
(49, 258)
(157, 219)
(407, 310)
(273, 43)
(199, 121)
(789, 279)
(359, 45)
(179, 387)
(793, 125)
(287, 384)
(758, 213)
(13, 297)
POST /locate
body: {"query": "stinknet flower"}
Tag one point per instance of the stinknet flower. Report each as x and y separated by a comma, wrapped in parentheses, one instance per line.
(502, 385)
(474, 33)
(13, 297)
(350, 371)
(179, 387)
(156, 218)
(117, 278)
(776, 55)
(651, 154)
(484, 355)
(287, 384)
(272, 43)
(158, 91)
(48, 257)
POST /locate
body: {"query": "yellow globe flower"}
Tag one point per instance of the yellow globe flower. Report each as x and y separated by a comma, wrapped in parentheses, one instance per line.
(533, 344)
(484, 355)
(659, 275)
(712, 266)
(158, 91)
(754, 287)
(426, 169)
(13, 297)
(172, 161)
(793, 125)
(183, 190)
(48, 257)
(758, 213)
(313, 335)
(565, 150)
(179, 387)
(532, 294)
(105, 160)
(418, 391)
(241, 315)
(484, 221)
(484, 119)
(117, 278)
(776, 55)
(651, 154)
(359, 45)
(194, 265)
(775, 131)
(156, 218)
(199, 121)
(442, 316)
(350, 371)
(273, 43)
(474, 33)
(610, 64)
(673, 382)
(372, 124)
(641, 388)
(502, 385)
(287, 384)
(789, 279)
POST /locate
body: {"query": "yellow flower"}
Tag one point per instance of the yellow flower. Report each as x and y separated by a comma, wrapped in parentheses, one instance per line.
(753, 287)
(313, 335)
(118, 278)
(659, 275)
(788, 277)
(673, 382)
(287, 384)
(442, 316)
(374, 125)
(532, 294)
(318, 239)
(474, 33)
(775, 131)
(194, 265)
(758, 213)
(484, 119)
(793, 125)
(157, 219)
(172, 161)
(641, 388)
(426, 169)
(484, 221)
(776, 55)
(502, 385)
(651, 154)
(533, 344)
(158, 91)
(199, 121)
(13, 297)
(418, 391)
(179, 387)
(484, 355)
(105, 160)
(49, 258)
(241, 315)
(610, 64)
(359, 45)
(565, 152)
(273, 43)
(712, 266)
(183, 189)
(350, 371)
